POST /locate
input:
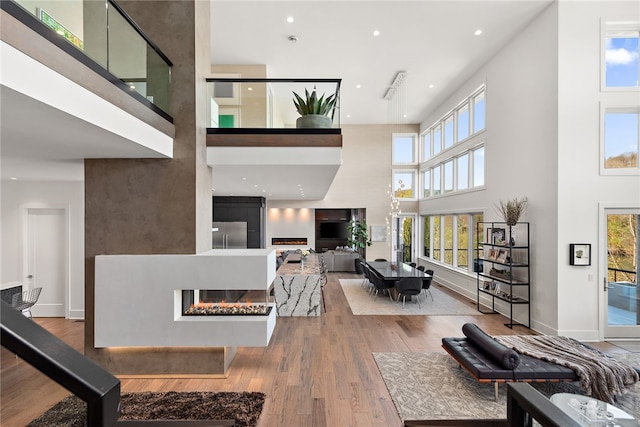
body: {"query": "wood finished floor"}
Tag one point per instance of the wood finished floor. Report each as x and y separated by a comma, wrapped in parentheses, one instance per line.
(315, 372)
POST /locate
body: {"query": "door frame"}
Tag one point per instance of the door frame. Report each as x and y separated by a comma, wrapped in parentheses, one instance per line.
(602, 264)
(24, 245)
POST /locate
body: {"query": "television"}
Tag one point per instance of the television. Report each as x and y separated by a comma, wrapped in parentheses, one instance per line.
(334, 230)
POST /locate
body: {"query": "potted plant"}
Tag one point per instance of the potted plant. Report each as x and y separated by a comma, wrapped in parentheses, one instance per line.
(314, 111)
(359, 240)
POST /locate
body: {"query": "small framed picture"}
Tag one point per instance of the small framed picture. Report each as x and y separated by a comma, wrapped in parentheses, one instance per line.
(493, 254)
(502, 256)
(496, 236)
(580, 254)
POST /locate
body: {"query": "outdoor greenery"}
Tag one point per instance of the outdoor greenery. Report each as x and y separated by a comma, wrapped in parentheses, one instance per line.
(622, 240)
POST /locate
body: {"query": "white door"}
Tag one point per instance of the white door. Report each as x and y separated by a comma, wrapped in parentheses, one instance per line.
(45, 260)
(620, 280)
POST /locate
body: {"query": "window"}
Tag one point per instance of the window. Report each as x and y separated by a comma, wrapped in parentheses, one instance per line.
(404, 149)
(437, 189)
(462, 259)
(478, 112)
(448, 176)
(462, 171)
(427, 236)
(463, 122)
(478, 167)
(621, 139)
(404, 184)
(448, 132)
(437, 140)
(426, 145)
(448, 239)
(436, 238)
(621, 57)
(426, 183)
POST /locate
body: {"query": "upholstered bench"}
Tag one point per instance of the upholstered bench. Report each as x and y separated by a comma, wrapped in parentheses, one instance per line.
(489, 361)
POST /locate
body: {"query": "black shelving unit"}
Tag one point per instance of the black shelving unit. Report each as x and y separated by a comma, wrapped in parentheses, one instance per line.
(503, 254)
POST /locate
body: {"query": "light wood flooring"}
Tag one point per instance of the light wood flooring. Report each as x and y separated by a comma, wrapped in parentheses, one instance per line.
(315, 372)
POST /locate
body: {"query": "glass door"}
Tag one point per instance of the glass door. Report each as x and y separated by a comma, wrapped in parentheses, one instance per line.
(621, 277)
(404, 238)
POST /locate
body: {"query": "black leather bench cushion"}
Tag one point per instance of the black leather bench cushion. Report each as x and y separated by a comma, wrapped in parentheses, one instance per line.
(484, 367)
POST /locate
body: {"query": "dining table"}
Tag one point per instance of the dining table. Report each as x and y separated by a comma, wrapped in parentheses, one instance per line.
(389, 270)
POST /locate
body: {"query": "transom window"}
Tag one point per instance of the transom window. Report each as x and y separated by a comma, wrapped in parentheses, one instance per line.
(404, 149)
(621, 134)
(621, 68)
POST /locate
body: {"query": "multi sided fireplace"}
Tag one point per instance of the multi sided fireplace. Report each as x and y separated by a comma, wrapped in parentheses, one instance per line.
(224, 303)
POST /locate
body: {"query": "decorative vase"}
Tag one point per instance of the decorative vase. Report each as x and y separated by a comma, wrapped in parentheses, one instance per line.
(314, 121)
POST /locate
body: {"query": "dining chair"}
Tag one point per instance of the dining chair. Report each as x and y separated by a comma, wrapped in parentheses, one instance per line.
(25, 300)
(413, 264)
(409, 286)
(380, 260)
(382, 285)
(420, 267)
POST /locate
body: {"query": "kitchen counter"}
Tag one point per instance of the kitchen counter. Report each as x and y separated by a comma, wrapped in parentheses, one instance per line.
(297, 287)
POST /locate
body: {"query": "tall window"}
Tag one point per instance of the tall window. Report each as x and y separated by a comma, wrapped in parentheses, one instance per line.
(478, 112)
(448, 176)
(404, 149)
(437, 140)
(621, 56)
(436, 238)
(426, 146)
(448, 132)
(404, 184)
(463, 121)
(427, 236)
(462, 171)
(448, 239)
(462, 228)
(426, 183)
(621, 130)
(437, 187)
(478, 167)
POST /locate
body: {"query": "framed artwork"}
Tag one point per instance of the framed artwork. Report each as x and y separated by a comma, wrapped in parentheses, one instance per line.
(502, 256)
(378, 233)
(580, 254)
(496, 236)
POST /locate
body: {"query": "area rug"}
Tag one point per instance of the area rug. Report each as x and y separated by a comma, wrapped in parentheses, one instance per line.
(244, 408)
(362, 303)
(432, 386)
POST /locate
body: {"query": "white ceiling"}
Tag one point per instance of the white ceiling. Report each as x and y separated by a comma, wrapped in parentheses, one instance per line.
(433, 41)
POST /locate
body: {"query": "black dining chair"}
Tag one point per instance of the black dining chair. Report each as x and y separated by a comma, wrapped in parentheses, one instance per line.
(381, 285)
(380, 260)
(426, 284)
(413, 264)
(409, 286)
(420, 267)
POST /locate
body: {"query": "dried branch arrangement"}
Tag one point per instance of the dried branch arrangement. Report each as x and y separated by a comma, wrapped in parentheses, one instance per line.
(512, 210)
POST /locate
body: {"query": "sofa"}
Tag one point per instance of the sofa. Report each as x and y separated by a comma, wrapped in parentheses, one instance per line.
(340, 260)
(490, 361)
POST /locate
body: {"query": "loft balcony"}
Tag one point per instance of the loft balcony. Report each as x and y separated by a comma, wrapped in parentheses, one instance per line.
(253, 137)
(63, 65)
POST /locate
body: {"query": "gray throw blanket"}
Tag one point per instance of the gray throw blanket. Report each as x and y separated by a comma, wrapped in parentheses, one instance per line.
(600, 375)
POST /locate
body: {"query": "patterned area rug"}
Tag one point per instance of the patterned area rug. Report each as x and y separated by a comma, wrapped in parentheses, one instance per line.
(432, 386)
(362, 303)
(244, 408)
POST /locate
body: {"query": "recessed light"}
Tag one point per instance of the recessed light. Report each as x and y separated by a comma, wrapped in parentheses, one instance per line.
(290, 19)
(358, 86)
(255, 185)
(376, 33)
(404, 115)
(249, 88)
(244, 178)
(348, 115)
(477, 32)
(13, 178)
(431, 86)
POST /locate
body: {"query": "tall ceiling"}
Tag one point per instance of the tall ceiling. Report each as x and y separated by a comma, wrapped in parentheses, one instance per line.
(433, 41)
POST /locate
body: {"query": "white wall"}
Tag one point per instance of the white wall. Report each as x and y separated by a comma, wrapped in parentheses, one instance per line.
(291, 223)
(17, 195)
(520, 155)
(361, 182)
(581, 188)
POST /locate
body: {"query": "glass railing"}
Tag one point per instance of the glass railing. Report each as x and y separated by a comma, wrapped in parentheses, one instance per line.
(269, 104)
(104, 33)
